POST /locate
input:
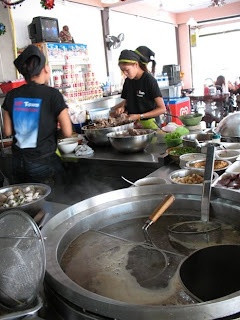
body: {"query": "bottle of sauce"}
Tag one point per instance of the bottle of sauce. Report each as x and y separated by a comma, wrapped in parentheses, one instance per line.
(88, 119)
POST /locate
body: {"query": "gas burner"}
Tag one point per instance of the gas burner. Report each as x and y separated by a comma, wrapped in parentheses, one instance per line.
(217, 3)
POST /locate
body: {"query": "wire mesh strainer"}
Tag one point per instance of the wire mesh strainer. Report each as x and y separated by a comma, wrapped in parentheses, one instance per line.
(22, 263)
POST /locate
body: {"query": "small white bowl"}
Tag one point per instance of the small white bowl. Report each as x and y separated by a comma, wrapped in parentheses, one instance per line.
(67, 147)
(227, 154)
(72, 139)
(150, 181)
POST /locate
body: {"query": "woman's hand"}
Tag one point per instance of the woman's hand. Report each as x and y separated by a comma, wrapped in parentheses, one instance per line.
(134, 116)
(117, 112)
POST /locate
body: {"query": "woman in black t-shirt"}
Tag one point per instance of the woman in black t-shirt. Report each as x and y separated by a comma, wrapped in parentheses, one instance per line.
(142, 97)
(31, 113)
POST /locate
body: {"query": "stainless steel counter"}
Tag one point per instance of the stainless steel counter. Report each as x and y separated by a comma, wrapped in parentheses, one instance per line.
(154, 155)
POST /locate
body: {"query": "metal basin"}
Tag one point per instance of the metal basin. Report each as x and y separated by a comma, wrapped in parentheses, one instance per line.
(229, 128)
(118, 217)
(32, 207)
(200, 164)
(189, 139)
(127, 143)
(181, 173)
(99, 136)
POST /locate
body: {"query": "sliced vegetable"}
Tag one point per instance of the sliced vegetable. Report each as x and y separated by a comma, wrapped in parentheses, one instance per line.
(182, 150)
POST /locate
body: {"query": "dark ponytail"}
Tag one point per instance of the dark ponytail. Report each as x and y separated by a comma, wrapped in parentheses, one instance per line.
(146, 55)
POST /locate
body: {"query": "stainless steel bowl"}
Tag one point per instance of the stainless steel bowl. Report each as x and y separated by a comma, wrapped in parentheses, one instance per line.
(229, 127)
(191, 164)
(189, 139)
(99, 136)
(32, 207)
(129, 143)
(186, 172)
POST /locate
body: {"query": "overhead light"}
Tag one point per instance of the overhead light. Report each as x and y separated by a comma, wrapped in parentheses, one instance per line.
(109, 1)
(217, 3)
(192, 22)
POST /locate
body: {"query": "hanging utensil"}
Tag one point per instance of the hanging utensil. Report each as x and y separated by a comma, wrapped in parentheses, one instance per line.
(146, 262)
(132, 183)
(23, 265)
(189, 235)
(155, 215)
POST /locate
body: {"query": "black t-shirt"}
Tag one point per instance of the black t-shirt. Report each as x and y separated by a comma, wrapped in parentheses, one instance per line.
(34, 109)
(140, 94)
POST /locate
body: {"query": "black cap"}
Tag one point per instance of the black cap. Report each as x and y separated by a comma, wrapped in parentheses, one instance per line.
(30, 51)
(145, 53)
(128, 56)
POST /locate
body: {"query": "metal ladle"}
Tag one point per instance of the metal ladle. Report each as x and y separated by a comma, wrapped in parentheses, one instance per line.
(191, 234)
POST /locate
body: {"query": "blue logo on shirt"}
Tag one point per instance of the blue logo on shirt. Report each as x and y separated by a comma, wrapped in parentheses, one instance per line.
(26, 114)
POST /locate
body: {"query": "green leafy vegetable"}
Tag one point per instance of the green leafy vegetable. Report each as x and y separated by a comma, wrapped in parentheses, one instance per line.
(172, 135)
(182, 131)
(182, 150)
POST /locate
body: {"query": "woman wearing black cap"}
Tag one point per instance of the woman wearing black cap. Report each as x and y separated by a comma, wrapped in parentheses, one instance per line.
(142, 97)
(31, 113)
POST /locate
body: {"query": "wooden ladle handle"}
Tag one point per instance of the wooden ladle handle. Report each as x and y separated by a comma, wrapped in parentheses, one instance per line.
(162, 207)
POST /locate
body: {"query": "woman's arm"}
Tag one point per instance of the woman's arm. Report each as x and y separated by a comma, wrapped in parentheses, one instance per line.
(65, 123)
(7, 123)
(160, 109)
(118, 108)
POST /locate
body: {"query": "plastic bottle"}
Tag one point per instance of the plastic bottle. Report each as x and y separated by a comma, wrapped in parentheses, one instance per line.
(159, 79)
(216, 138)
(166, 80)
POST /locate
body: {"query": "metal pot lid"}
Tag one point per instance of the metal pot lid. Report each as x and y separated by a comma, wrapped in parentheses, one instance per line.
(229, 126)
(23, 259)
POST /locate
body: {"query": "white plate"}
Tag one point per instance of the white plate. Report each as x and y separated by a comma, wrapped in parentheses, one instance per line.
(234, 168)
(150, 181)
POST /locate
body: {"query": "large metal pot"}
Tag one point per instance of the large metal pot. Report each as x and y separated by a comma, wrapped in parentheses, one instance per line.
(118, 216)
(99, 136)
(229, 127)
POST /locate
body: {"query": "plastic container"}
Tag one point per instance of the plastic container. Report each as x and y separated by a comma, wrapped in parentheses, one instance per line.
(173, 142)
(6, 87)
(99, 113)
(78, 127)
(178, 107)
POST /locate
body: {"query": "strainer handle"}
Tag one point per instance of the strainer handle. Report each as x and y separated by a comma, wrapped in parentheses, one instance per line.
(207, 183)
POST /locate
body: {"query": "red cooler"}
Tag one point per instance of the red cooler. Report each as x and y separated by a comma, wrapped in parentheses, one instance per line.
(177, 107)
